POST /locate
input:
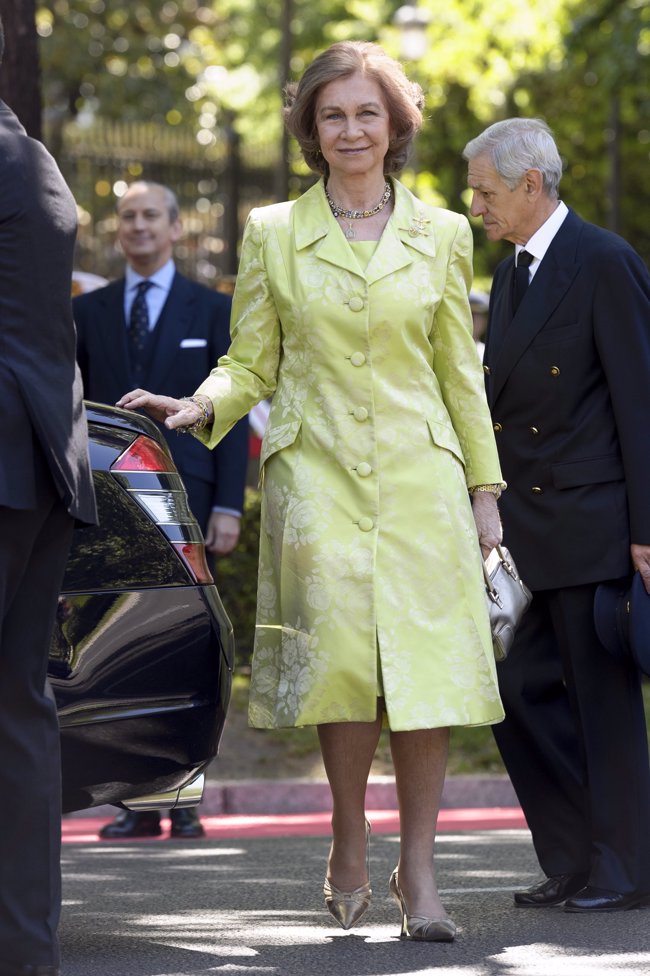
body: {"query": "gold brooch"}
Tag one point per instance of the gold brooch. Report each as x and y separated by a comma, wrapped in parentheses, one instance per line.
(417, 227)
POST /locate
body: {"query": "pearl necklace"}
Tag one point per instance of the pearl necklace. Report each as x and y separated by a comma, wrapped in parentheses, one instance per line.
(351, 215)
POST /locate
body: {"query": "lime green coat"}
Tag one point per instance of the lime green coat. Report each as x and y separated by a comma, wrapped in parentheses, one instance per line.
(378, 426)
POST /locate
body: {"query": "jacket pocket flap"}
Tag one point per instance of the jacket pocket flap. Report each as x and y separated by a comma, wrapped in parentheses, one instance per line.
(278, 436)
(556, 335)
(590, 471)
(445, 436)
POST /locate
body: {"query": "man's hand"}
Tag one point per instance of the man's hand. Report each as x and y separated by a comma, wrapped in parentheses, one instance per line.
(222, 533)
(488, 523)
(641, 561)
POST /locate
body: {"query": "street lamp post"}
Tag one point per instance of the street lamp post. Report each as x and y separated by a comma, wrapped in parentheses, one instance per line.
(412, 22)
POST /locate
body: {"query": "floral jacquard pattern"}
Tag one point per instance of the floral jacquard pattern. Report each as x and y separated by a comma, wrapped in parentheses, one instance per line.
(368, 553)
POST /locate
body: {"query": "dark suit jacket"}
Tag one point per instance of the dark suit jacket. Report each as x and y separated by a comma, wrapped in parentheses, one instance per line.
(190, 336)
(569, 389)
(40, 385)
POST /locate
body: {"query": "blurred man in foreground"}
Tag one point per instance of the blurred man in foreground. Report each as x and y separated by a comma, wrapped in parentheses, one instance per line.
(45, 484)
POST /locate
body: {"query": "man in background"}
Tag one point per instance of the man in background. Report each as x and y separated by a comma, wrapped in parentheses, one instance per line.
(155, 328)
(567, 364)
(45, 484)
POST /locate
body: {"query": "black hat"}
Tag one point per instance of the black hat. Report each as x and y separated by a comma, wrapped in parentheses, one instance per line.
(622, 619)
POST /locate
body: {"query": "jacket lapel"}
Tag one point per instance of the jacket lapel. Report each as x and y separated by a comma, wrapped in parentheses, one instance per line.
(172, 327)
(111, 327)
(314, 225)
(552, 280)
(407, 231)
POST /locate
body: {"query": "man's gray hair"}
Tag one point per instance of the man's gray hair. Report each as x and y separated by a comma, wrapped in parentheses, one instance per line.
(517, 145)
(171, 199)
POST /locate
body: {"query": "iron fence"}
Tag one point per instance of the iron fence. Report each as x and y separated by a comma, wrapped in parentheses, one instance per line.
(217, 185)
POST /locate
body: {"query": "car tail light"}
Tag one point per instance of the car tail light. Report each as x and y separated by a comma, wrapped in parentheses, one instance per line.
(143, 455)
(193, 556)
(164, 501)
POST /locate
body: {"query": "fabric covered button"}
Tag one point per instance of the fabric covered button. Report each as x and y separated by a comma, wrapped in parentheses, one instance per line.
(366, 524)
(357, 359)
(356, 303)
(360, 414)
(364, 469)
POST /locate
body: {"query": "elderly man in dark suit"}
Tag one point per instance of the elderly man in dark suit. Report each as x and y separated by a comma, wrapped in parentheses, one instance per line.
(567, 365)
(156, 328)
(45, 484)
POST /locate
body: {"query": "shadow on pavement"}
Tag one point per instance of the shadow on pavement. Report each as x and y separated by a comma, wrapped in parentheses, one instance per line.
(254, 906)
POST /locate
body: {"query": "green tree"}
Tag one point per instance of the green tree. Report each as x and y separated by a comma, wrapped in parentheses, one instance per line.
(199, 65)
(181, 61)
(597, 100)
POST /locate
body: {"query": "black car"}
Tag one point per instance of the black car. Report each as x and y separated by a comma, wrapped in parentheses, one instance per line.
(142, 652)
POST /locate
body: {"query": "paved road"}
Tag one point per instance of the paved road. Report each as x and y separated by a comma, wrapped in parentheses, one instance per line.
(253, 907)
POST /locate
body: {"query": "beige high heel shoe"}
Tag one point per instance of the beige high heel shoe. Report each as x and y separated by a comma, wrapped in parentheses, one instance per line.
(419, 927)
(347, 907)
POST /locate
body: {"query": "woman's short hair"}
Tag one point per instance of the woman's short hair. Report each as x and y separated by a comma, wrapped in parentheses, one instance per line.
(517, 145)
(404, 99)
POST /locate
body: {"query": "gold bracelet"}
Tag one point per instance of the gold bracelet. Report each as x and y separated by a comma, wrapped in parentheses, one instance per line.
(493, 489)
(202, 421)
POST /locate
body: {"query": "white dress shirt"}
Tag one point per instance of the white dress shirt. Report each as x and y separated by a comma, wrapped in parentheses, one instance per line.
(540, 242)
(155, 297)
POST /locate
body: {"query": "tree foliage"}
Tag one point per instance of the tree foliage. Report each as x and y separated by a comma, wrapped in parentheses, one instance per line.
(197, 64)
(598, 102)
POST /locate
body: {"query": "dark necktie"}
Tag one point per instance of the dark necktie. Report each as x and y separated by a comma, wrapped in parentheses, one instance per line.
(138, 334)
(139, 318)
(522, 276)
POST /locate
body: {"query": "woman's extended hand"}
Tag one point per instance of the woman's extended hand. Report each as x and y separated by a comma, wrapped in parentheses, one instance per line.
(173, 413)
(488, 523)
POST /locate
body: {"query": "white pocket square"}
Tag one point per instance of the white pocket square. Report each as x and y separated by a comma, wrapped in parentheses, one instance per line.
(193, 343)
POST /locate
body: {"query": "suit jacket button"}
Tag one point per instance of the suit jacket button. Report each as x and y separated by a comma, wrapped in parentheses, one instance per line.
(360, 414)
(486, 369)
(366, 524)
(534, 430)
(356, 303)
(555, 370)
(363, 469)
(536, 491)
(497, 428)
(357, 359)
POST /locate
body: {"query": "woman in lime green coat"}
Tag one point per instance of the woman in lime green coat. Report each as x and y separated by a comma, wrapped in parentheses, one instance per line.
(379, 467)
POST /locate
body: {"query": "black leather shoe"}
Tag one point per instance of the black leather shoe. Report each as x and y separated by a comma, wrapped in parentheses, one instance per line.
(551, 891)
(591, 899)
(9, 969)
(186, 823)
(130, 824)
